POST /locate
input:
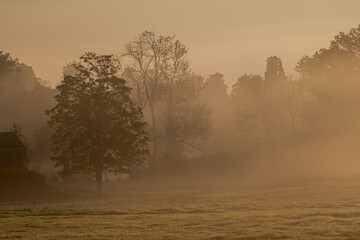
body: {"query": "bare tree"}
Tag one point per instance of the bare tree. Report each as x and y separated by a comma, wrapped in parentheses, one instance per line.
(159, 71)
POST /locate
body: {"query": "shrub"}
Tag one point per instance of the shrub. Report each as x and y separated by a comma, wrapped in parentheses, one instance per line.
(22, 184)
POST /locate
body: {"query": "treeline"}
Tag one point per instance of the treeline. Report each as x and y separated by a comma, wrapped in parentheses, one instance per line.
(23, 100)
(272, 115)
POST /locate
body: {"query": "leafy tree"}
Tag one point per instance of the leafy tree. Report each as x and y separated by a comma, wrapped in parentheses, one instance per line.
(97, 126)
(252, 114)
(215, 91)
(332, 76)
(268, 115)
(23, 99)
(292, 97)
(338, 63)
(249, 83)
(6, 63)
(215, 96)
(348, 42)
(274, 72)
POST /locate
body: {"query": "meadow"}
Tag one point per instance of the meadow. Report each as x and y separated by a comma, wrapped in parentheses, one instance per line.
(312, 210)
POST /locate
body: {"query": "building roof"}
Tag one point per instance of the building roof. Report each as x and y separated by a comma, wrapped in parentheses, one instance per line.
(9, 140)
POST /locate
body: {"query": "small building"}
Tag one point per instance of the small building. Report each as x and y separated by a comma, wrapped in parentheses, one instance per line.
(12, 151)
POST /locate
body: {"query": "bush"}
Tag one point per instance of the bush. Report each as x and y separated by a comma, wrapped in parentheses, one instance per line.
(22, 184)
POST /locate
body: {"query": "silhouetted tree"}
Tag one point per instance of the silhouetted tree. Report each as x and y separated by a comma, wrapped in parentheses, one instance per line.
(291, 97)
(251, 111)
(268, 115)
(6, 63)
(186, 120)
(150, 56)
(215, 91)
(274, 72)
(332, 76)
(23, 99)
(348, 42)
(215, 96)
(97, 126)
(159, 70)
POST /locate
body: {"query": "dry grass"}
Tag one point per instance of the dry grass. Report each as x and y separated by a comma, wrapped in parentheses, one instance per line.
(311, 211)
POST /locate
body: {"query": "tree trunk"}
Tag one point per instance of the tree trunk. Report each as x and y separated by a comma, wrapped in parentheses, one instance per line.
(170, 148)
(99, 183)
(154, 136)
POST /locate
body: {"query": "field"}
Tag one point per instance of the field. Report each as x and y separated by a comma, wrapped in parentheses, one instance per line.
(322, 210)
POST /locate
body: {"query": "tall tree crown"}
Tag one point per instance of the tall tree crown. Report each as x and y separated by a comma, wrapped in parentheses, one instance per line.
(97, 126)
(274, 70)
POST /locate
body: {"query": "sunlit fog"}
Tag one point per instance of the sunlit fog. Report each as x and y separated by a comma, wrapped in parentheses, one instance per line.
(179, 119)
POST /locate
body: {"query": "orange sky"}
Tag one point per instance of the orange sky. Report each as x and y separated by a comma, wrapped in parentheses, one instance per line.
(228, 36)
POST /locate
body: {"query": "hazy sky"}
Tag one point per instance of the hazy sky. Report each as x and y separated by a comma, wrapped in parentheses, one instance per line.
(228, 36)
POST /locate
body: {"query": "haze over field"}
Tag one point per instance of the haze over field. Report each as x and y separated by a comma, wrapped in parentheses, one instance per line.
(179, 119)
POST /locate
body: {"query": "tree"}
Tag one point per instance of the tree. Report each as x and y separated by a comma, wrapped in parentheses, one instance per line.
(149, 56)
(348, 42)
(160, 71)
(268, 115)
(186, 120)
(292, 97)
(332, 76)
(215, 96)
(251, 109)
(23, 99)
(97, 126)
(274, 72)
(6, 63)
(215, 91)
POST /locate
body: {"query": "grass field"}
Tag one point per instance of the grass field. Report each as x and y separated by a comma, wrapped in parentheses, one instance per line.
(323, 210)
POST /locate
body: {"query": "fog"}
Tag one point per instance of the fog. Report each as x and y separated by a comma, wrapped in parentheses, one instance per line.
(235, 103)
(207, 119)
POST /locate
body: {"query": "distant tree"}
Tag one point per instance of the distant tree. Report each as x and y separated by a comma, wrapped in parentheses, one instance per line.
(149, 55)
(332, 75)
(215, 96)
(268, 115)
(134, 80)
(251, 111)
(338, 63)
(274, 72)
(247, 84)
(215, 90)
(292, 97)
(348, 42)
(160, 72)
(17, 129)
(186, 120)
(97, 126)
(6, 63)
(23, 99)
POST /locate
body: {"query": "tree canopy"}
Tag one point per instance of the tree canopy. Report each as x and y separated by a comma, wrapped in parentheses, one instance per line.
(160, 71)
(97, 126)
